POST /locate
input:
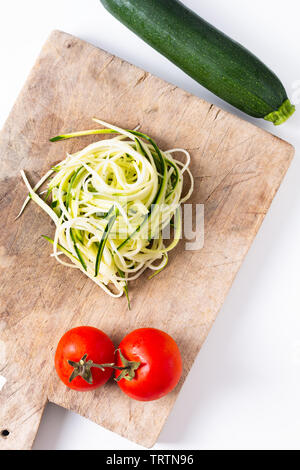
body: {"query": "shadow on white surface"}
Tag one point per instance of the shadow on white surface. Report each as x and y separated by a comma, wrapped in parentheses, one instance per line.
(51, 428)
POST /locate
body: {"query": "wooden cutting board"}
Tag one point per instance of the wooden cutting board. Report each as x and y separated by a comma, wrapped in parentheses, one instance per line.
(237, 168)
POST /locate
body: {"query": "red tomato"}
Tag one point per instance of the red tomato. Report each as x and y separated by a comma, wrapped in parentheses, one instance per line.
(73, 346)
(160, 365)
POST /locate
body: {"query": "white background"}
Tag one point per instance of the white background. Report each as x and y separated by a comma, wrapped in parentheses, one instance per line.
(244, 389)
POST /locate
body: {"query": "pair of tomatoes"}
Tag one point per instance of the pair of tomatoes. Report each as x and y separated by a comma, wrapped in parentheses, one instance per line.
(147, 363)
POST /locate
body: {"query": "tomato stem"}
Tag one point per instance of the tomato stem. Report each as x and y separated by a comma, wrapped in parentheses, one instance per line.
(83, 369)
(128, 369)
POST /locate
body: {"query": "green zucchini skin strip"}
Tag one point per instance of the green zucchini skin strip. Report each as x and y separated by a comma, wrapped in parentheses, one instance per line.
(138, 144)
(64, 250)
(206, 54)
(47, 195)
(76, 233)
(104, 238)
(151, 141)
(72, 180)
(77, 250)
(82, 134)
(125, 288)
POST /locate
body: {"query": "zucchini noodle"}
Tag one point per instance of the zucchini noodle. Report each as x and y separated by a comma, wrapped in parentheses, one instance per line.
(111, 204)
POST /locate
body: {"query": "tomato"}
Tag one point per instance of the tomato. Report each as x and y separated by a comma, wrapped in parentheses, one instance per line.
(154, 361)
(86, 347)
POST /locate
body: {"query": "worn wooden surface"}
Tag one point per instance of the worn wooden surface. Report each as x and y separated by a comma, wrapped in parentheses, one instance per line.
(238, 169)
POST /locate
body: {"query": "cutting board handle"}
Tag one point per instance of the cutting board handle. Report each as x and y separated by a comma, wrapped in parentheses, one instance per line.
(21, 410)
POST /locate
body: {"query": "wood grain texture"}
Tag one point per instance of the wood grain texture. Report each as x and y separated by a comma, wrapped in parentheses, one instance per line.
(238, 169)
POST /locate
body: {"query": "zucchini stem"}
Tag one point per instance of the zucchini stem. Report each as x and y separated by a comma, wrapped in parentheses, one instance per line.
(285, 111)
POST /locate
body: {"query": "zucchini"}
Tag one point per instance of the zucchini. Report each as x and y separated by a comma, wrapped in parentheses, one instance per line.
(206, 54)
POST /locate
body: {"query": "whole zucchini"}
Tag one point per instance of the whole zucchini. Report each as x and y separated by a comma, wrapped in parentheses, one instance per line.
(206, 54)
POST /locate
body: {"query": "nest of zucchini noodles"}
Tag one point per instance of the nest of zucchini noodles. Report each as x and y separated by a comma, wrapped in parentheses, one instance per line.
(111, 203)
